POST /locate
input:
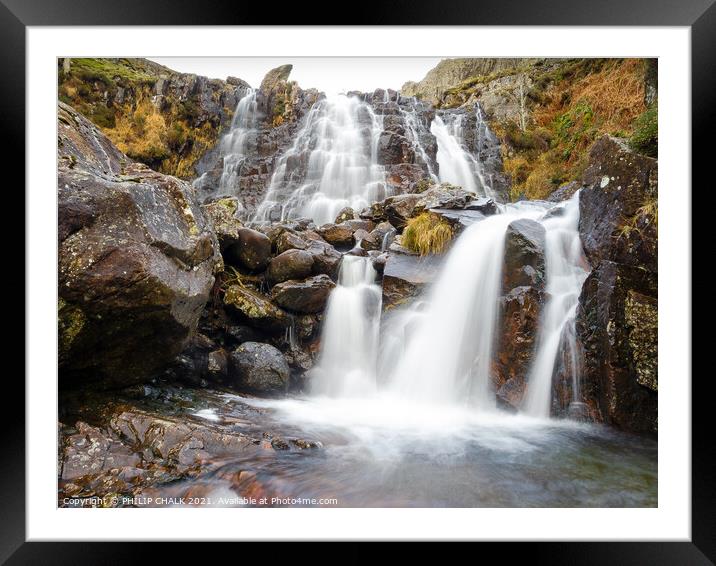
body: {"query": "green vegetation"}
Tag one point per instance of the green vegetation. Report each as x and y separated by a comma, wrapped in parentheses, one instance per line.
(427, 233)
(645, 138)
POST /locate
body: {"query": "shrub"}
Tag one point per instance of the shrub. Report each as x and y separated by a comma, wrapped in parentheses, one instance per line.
(645, 138)
(427, 233)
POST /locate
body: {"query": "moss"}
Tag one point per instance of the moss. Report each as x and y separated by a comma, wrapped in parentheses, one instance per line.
(70, 322)
(645, 138)
(427, 233)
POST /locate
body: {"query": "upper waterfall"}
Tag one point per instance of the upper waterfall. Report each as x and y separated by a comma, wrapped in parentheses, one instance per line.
(332, 164)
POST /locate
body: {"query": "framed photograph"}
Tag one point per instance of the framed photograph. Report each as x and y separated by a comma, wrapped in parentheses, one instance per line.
(394, 281)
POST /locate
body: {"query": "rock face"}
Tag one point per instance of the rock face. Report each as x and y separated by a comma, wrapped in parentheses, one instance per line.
(617, 311)
(450, 72)
(260, 367)
(136, 261)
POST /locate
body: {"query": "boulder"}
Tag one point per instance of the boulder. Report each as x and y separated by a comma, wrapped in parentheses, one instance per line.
(291, 264)
(256, 310)
(446, 195)
(136, 261)
(405, 276)
(252, 251)
(223, 215)
(346, 213)
(520, 311)
(524, 255)
(308, 296)
(337, 234)
(326, 259)
(259, 368)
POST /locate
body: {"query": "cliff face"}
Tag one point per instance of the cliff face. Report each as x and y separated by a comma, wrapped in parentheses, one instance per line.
(164, 119)
(451, 72)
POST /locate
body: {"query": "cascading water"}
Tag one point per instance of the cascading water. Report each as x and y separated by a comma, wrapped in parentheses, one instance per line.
(566, 271)
(457, 165)
(447, 350)
(347, 363)
(332, 164)
(412, 129)
(237, 145)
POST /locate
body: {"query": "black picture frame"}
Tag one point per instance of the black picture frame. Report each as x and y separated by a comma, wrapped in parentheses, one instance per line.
(699, 15)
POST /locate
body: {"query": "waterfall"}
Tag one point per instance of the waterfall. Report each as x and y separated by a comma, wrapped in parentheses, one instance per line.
(412, 129)
(456, 164)
(349, 341)
(236, 145)
(565, 270)
(332, 164)
(447, 349)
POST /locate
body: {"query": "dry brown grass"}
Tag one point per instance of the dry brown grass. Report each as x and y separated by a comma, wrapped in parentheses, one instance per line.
(427, 233)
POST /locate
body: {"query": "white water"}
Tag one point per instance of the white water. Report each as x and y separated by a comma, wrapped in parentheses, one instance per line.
(239, 142)
(332, 164)
(439, 351)
(457, 166)
(347, 363)
(412, 127)
(565, 271)
(447, 346)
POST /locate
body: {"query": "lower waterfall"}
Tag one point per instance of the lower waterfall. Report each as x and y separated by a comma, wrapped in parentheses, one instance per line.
(439, 350)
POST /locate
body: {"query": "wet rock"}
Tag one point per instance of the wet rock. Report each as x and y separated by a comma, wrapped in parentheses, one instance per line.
(218, 364)
(224, 217)
(326, 259)
(136, 261)
(260, 368)
(459, 219)
(346, 213)
(291, 264)
(91, 451)
(405, 276)
(565, 192)
(360, 224)
(394, 148)
(617, 325)
(485, 205)
(524, 254)
(255, 309)
(307, 296)
(252, 251)
(520, 311)
(337, 234)
(446, 196)
(615, 221)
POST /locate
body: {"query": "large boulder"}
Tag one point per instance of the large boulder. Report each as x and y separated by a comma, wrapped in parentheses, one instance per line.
(520, 314)
(136, 261)
(524, 254)
(308, 296)
(260, 368)
(617, 310)
(252, 251)
(291, 264)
